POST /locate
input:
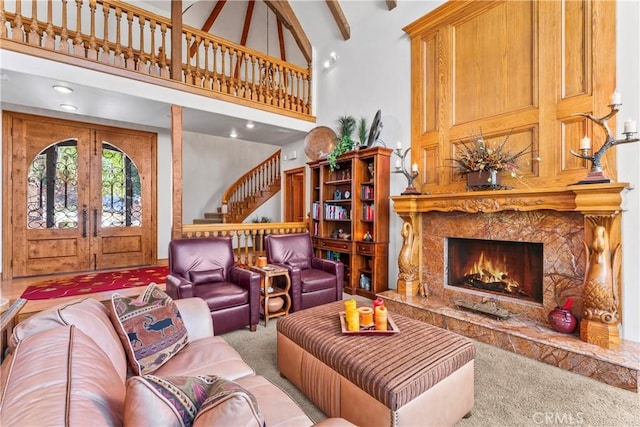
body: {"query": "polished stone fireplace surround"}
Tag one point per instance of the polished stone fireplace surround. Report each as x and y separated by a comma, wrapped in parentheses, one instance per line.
(561, 219)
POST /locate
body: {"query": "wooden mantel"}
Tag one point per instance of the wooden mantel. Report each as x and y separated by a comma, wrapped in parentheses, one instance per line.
(590, 199)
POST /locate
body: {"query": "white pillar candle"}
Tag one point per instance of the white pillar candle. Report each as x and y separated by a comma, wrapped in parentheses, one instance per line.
(399, 145)
(414, 168)
(616, 99)
(398, 164)
(630, 126)
(585, 143)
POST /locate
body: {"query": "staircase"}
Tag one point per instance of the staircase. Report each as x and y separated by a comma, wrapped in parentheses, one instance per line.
(248, 193)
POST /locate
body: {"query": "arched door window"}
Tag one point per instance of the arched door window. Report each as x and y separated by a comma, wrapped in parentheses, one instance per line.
(121, 193)
(52, 187)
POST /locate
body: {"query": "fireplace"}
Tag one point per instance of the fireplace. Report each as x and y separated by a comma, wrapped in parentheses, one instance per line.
(496, 267)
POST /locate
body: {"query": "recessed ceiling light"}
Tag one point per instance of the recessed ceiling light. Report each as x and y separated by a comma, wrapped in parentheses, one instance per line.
(68, 107)
(62, 89)
(250, 125)
(233, 134)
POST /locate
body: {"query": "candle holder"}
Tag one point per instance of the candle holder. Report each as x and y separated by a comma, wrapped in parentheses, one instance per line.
(411, 176)
(596, 174)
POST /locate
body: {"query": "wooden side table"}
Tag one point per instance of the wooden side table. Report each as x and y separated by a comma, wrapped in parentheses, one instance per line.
(8, 320)
(270, 289)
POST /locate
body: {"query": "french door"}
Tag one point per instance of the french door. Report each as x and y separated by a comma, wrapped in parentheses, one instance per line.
(83, 196)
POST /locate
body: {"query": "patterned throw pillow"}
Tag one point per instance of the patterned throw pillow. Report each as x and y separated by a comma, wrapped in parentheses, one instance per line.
(168, 401)
(150, 328)
(229, 404)
(204, 400)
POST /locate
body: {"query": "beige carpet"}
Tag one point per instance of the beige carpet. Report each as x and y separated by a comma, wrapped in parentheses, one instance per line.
(510, 390)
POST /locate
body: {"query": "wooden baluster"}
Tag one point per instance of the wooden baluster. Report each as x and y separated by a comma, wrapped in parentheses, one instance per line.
(3, 20)
(254, 94)
(92, 51)
(215, 84)
(300, 91)
(142, 64)
(129, 56)
(153, 61)
(223, 54)
(307, 94)
(78, 42)
(198, 75)
(118, 59)
(230, 80)
(206, 83)
(246, 259)
(164, 64)
(17, 32)
(34, 36)
(48, 42)
(188, 77)
(105, 54)
(281, 92)
(64, 34)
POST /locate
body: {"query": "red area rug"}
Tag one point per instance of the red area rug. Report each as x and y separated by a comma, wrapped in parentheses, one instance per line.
(96, 282)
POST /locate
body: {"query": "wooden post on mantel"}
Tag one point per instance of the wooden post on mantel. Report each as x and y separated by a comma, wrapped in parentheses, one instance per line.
(409, 259)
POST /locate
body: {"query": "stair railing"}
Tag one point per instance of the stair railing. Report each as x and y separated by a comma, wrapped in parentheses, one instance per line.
(252, 189)
(248, 238)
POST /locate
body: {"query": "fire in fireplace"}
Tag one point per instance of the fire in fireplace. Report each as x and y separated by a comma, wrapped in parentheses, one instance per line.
(512, 269)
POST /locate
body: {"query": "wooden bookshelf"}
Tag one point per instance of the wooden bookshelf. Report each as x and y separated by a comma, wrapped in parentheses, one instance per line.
(348, 205)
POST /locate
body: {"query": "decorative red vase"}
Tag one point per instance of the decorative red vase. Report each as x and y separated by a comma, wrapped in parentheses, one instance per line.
(563, 320)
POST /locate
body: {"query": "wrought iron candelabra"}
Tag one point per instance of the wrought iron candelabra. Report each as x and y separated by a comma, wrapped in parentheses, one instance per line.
(410, 175)
(596, 175)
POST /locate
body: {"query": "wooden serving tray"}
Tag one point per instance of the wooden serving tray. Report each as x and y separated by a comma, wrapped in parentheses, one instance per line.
(392, 329)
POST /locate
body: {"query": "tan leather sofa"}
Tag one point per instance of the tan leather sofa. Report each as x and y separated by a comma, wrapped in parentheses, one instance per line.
(68, 367)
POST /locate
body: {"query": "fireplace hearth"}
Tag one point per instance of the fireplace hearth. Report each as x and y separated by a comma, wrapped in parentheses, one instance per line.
(506, 268)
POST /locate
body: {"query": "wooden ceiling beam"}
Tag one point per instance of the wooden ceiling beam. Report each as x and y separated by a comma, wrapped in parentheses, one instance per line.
(283, 52)
(247, 22)
(285, 13)
(339, 17)
(245, 32)
(209, 23)
(391, 4)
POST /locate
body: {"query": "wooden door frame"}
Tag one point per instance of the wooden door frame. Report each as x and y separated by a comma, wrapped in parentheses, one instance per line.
(7, 173)
(288, 199)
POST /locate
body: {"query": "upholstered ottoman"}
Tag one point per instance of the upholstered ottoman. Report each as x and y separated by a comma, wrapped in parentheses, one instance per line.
(420, 376)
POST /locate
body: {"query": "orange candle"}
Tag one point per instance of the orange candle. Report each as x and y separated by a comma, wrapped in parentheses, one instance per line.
(352, 316)
(366, 316)
(378, 302)
(381, 318)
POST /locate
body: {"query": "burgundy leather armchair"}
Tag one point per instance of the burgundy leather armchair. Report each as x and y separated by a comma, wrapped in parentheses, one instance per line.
(204, 268)
(314, 281)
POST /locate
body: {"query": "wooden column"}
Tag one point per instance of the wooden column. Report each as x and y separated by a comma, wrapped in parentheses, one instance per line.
(176, 40)
(176, 171)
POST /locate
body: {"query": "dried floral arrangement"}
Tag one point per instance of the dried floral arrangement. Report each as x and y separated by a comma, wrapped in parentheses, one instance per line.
(477, 156)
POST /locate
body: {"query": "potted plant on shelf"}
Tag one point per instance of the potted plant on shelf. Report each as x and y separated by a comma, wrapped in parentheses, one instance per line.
(482, 163)
(346, 127)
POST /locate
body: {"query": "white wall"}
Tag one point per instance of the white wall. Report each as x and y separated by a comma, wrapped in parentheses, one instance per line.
(373, 73)
(209, 165)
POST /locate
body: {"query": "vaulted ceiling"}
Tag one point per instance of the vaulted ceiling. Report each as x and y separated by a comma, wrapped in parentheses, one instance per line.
(286, 21)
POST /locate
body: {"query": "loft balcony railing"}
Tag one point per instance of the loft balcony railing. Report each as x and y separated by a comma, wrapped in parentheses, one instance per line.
(138, 44)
